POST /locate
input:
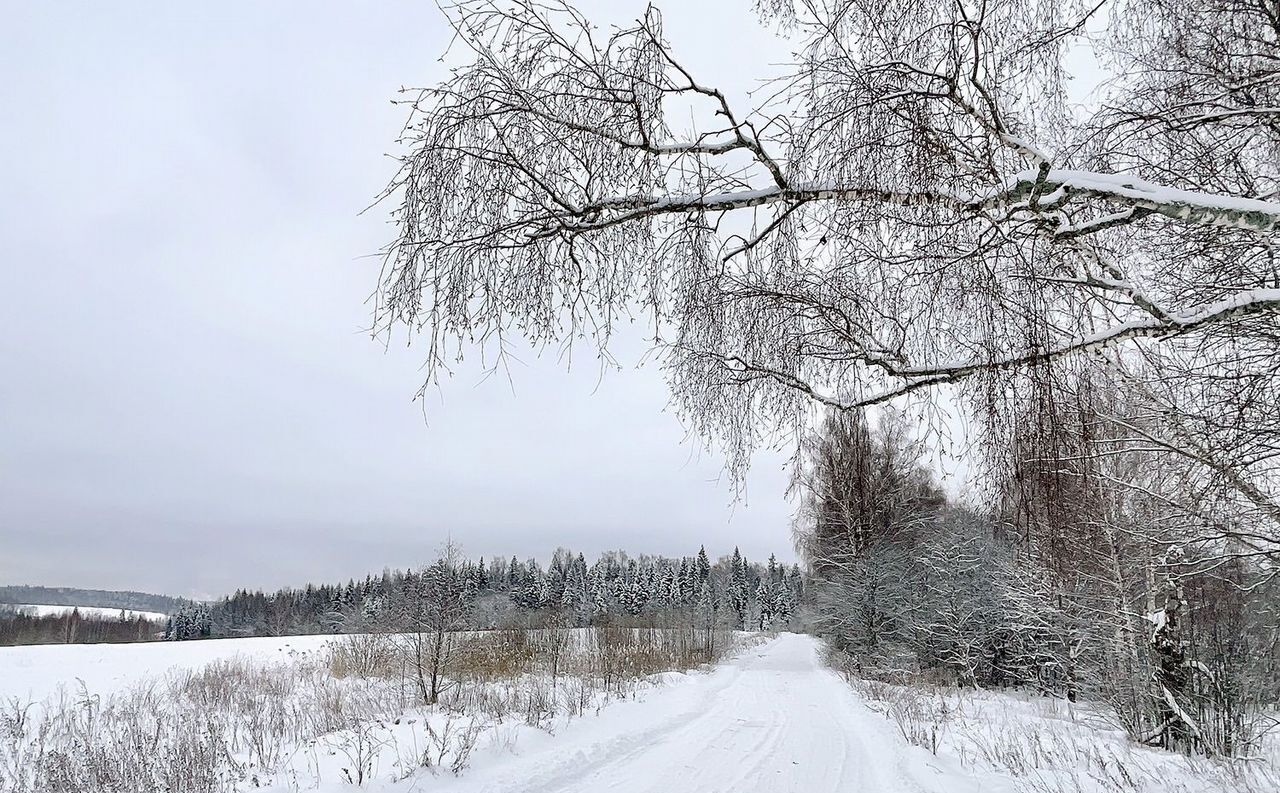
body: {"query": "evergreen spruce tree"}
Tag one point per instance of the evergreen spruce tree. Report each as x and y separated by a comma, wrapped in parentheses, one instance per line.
(598, 591)
(739, 595)
(669, 587)
(702, 570)
(765, 601)
(574, 598)
(515, 576)
(540, 592)
(635, 597)
(688, 587)
(649, 582)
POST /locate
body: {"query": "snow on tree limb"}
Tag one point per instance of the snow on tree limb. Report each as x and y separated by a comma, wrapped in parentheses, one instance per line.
(915, 205)
(1058, 188)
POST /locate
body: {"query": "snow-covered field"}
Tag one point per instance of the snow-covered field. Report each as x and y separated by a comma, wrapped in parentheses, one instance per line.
(770, 719)
(37, 672)
(221, 715)
(41, 610)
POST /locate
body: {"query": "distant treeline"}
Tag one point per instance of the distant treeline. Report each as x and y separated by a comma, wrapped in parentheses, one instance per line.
(21, 626)
(731, 592)
(99, 598)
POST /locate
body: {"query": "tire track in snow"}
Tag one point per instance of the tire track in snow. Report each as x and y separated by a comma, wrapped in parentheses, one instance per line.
(771, 720)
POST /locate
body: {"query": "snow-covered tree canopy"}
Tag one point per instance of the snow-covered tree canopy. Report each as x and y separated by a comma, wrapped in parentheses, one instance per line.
(915, 203)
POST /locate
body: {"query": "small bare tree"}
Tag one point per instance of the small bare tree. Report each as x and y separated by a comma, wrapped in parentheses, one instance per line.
(434, 604)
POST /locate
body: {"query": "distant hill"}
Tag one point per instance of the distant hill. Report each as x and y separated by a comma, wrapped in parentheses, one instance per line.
(97, 598)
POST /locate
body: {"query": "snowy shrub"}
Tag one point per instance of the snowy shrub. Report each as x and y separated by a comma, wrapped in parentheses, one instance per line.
(362, 655)
(1048, 744)
(86, 745)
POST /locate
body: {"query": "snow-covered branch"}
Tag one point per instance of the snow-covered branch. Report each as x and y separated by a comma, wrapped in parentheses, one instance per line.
(914, 205)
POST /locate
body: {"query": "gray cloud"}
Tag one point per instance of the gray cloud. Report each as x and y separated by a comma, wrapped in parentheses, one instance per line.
(188, 403)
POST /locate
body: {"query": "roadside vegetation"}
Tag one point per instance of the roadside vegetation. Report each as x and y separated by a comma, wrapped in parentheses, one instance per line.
(1057, 635)
(1034, 743)
(354, 713)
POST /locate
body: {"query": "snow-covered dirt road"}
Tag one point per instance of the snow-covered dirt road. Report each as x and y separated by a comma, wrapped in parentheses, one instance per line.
(772, 720)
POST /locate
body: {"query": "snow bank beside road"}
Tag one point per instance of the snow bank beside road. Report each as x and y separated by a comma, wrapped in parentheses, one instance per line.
(1044, 744)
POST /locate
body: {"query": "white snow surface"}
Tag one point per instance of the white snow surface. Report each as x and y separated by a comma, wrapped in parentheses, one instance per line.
(42, 610)
(771, 720)
(36, 672)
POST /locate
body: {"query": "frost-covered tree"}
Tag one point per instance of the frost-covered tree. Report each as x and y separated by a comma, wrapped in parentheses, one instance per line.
(529, 591)
(701, 570)
(920, 202)
(634, 596)
(688, 582)
(860, 484)
(739, 590)
(771, 608)
(668, 586)
(576, 597)
(192, 622)
(434, 605)
(765, 602)
(789, 594)
(598, 590)
(957, 614)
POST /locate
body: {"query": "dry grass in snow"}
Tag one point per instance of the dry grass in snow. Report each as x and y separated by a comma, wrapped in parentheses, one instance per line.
(346, 715)
(1042, 744)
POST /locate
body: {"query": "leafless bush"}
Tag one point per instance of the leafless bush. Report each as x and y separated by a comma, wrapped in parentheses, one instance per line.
(577, 696)
(83, 744)
(361, 745)
(617, 653)
(921, 716)
(200, 730)
(496, 655)
(362, 655)
(451, 745)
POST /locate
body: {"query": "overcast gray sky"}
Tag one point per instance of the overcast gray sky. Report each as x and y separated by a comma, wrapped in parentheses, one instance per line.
(188, 404)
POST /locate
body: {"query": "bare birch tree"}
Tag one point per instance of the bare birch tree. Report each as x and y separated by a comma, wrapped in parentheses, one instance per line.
(914, 204)
(434, 604)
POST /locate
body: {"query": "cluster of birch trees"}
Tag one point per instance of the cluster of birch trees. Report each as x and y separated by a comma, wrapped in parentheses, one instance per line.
(24, 626)
(1083, 574)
